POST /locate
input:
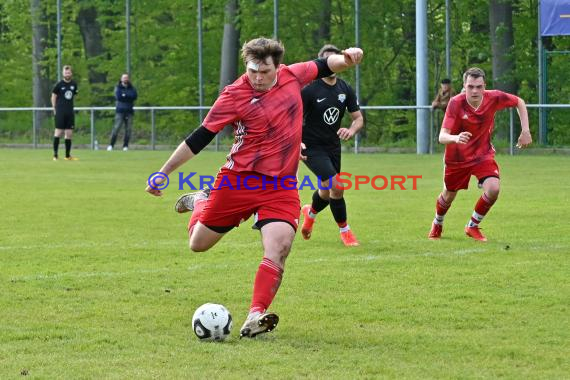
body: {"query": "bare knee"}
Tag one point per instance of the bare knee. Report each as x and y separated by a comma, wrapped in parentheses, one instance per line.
(200, 244)
(493, 193)
(277, 240)
(278, 250)
(197, 247)
(492, 187)
(201, 238)
(284, 247)
(337, 193)
(448, 196)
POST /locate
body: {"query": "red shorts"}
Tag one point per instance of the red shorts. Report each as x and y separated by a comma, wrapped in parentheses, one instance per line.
(236, 196)
(458, 178)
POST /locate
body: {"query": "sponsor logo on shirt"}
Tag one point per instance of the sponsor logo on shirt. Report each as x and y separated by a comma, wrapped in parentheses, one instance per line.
(465, 117)
(330, 116)
(341, 97)
(320, 100)
(68, 94)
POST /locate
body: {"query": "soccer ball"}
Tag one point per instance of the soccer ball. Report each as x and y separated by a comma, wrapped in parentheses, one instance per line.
(212, 322)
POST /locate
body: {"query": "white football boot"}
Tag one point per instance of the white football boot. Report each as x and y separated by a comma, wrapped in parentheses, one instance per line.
(258, 323)
(186, 202)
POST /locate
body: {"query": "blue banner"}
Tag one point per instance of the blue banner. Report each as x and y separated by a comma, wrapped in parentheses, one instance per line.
(555, 17)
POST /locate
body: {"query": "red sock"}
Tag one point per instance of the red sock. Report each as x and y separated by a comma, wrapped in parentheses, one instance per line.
(441, 206)
(482, 207)
(198, 208)
(267, 281)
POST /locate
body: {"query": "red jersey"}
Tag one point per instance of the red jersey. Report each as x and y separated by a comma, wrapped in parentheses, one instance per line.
(267, 125)
(460, 116)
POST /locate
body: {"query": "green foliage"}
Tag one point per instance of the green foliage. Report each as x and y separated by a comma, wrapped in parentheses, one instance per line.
(15, 53)
(164, 51)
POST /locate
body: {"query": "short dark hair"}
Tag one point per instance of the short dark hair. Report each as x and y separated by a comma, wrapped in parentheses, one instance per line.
(474, 72)
(261, 48)
(446, 81)
(328, 48)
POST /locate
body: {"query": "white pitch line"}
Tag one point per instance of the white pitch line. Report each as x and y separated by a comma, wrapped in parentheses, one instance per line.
(76, 245)
(85, 274)
(221, 266)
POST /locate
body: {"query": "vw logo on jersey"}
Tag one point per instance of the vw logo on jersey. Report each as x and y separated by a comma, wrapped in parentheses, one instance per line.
(68, 94)
(331, 115)
(341, 97)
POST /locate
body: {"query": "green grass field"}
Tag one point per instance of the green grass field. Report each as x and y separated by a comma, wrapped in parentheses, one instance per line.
(97, 280)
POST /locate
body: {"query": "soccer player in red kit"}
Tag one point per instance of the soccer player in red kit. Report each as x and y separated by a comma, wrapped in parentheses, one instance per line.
(466, 132)
(264, 107)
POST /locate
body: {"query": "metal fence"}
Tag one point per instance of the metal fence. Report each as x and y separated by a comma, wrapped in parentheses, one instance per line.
(95, 129)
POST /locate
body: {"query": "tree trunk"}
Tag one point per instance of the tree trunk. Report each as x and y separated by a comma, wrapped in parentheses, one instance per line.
(323, 34)
(92, 42)
(230, 52)
(501, 25)
(40, 84)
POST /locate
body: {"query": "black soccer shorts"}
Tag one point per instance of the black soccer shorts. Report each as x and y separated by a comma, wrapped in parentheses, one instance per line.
(323, 162)
(64, 120)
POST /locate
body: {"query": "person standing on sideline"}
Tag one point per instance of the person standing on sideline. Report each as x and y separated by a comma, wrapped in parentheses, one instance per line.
(324, 103)
(259, 177)
(62, 97)
(466, 132)
(443, 96)
(125, 94)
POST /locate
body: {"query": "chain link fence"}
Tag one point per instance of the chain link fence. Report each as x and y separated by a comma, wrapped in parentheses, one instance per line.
(387, 128)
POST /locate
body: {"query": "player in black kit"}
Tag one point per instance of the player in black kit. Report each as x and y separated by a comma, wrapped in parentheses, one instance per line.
(62, 97)
(324, 103)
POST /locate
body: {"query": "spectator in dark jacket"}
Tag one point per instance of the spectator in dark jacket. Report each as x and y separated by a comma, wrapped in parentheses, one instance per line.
(125, 94)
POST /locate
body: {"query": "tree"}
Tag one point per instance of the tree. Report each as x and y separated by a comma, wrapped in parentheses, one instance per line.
(230, 45)
(501, 27)
(93, 44)
(230, 49)
(165, 56)
(40, 84)
(323, 33)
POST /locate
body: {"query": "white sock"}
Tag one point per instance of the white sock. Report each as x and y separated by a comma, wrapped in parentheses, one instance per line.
(438, 219)
(476, 218)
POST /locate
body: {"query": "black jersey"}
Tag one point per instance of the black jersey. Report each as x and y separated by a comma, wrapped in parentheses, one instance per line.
(323, 109)
(65, 92)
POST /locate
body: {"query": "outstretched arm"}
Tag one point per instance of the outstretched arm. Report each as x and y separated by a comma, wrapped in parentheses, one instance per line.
(525, 139)
(349, 58)
(180, 156)
(187, 149)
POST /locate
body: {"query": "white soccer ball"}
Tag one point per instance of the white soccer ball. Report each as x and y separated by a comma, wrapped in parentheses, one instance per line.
(212, 322)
